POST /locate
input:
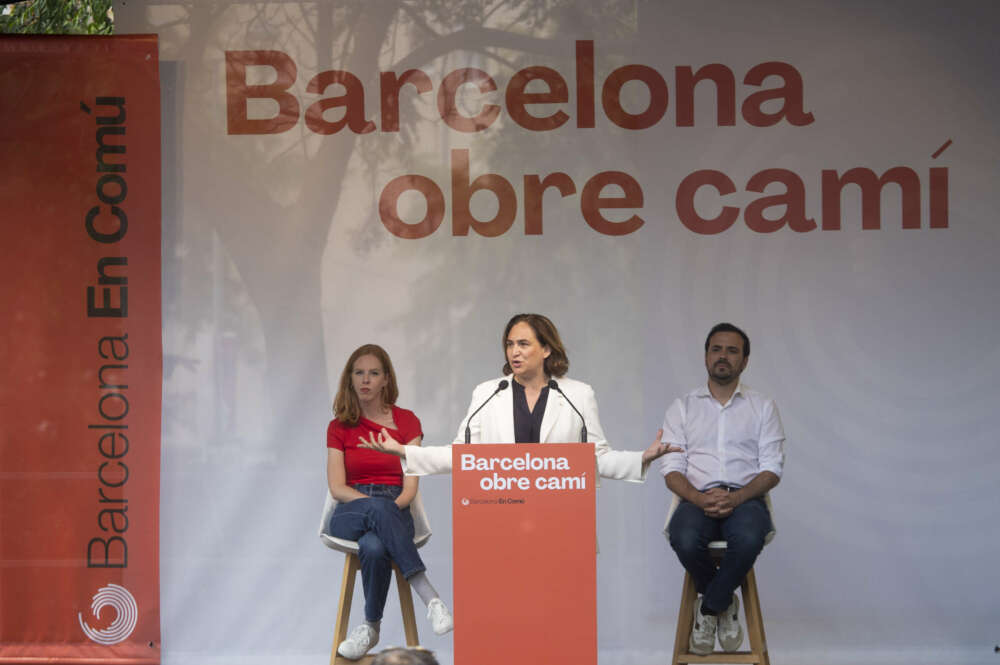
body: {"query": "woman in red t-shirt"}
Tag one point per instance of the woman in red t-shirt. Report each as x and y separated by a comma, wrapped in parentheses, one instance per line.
(373, 495)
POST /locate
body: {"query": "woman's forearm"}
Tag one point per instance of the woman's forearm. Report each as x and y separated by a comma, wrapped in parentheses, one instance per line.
(346, 493)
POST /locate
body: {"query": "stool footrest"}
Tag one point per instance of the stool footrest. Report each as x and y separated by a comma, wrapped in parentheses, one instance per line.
(725, 657)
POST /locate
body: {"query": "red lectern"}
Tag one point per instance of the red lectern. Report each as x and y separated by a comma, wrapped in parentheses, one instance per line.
(524, 554)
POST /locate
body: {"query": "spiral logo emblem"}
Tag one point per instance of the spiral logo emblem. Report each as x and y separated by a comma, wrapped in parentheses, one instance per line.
(124, 604)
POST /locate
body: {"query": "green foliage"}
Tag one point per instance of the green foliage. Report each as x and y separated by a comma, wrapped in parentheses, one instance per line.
(57, 17)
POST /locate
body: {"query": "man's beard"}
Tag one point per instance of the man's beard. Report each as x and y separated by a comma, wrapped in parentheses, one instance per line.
(726, 378)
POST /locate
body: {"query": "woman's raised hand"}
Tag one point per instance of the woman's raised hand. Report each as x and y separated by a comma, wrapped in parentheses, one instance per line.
(658, 449)
(384, 443)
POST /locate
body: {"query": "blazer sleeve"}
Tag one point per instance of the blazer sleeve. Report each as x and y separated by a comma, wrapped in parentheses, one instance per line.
(426, 460)
(614, 464)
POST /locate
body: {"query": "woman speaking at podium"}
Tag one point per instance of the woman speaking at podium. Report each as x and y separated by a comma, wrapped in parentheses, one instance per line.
(532, 403)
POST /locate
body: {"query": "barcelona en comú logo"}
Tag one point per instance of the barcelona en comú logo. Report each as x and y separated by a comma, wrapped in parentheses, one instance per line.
(119, 598)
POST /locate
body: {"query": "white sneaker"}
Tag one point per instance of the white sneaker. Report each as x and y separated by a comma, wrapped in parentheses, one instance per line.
(439, 616)
(730, 630)
(358, 643)
(703, 632)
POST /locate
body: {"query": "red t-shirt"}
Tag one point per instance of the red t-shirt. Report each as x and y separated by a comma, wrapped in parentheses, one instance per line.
(364, 466)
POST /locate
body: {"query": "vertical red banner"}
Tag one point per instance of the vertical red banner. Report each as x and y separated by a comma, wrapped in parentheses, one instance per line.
(80, 384)
(524, 538)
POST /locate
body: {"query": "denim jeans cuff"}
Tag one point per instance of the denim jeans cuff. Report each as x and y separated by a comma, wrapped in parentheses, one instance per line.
(416, 571)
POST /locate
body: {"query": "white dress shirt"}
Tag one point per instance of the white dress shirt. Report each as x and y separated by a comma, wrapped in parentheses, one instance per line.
(724, 444)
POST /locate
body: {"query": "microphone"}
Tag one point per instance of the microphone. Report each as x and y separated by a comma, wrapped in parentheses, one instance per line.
(554, 385)
(468, 432)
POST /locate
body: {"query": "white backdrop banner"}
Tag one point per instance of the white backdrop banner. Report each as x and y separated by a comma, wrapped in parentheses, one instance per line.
(413, 173)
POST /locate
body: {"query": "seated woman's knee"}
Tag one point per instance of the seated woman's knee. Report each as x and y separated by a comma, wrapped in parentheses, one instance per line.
(370, 546)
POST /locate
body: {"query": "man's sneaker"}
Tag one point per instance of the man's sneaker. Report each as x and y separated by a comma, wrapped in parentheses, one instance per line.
(730, 630)
(439, 616)
(358, 642)
(703, 632)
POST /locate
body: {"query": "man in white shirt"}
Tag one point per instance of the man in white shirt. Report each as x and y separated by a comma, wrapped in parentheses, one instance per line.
(732, 454)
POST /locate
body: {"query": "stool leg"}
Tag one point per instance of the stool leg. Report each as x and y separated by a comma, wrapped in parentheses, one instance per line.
(406, 606)
(351, 566)
(685, 619)
(755, 621)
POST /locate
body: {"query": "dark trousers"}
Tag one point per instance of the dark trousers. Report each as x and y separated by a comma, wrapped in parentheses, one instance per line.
(691, 530)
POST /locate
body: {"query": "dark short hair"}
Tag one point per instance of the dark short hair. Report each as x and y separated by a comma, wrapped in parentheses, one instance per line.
(557, 363)
(401, 656)
(728, 327)
(346, 406)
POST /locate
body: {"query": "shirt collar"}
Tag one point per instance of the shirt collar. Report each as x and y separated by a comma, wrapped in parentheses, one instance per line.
(703, 391)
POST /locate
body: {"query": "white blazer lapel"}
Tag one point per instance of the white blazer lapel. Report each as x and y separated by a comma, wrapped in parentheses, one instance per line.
(501, 419)
(554, 406)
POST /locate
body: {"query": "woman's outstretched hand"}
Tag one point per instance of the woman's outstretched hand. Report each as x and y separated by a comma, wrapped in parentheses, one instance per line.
(658, 449)
(384, 443)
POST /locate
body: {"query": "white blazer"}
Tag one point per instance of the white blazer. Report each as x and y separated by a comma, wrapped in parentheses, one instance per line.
(560, 424)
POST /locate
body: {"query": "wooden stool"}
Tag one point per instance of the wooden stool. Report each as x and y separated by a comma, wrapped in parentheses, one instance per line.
(352, 565)
(751, 610)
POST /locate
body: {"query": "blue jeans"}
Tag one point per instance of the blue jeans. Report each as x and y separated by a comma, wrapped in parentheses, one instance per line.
(384, 534)
(691, 530)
